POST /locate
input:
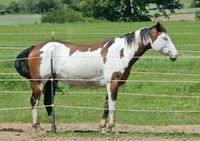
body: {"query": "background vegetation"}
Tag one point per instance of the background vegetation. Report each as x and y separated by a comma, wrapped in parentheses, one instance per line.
(118, 10)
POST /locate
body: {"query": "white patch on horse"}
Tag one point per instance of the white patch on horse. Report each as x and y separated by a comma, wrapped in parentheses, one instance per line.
(106, 44)
(80, 65)
(35, 112)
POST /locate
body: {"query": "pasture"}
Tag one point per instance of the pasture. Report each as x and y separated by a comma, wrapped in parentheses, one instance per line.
(161, 93)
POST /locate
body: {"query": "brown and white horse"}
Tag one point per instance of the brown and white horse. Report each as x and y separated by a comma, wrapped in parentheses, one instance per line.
(103, 63)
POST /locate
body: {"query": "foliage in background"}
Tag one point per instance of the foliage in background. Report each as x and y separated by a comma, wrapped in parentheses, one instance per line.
(195, 3)
(30, 6)
(62, 15)
(40, 6)
(197, 15)
(111, 10)
(126, 10)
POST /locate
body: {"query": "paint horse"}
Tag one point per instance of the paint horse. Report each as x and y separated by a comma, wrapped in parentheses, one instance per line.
(106, 63)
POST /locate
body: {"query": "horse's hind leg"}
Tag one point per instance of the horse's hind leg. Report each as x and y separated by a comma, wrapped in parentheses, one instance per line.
(48, 97)
(103, 122)
(36, 88)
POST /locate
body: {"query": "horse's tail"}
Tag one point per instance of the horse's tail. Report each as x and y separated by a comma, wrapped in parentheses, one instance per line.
(21, 63)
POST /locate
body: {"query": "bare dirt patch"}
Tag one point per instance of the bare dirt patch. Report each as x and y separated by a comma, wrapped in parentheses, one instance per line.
(178, 17)
(24, 132)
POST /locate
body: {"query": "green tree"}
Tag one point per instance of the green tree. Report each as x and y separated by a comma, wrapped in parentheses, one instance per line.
(62, 15)
(195, 3)
(40, 6)
(126, 10)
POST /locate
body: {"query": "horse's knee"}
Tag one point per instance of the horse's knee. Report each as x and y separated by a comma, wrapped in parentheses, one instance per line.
(36, 93)
(33, 100)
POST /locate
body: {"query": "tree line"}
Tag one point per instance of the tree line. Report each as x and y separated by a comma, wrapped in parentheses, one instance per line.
(110, 10)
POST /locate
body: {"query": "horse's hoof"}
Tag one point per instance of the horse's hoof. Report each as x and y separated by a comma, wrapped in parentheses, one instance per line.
(102, 127)
(36, 126)
(103, 130)
(111, 128)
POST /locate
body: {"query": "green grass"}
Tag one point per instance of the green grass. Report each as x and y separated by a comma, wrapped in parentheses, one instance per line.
(65, 115)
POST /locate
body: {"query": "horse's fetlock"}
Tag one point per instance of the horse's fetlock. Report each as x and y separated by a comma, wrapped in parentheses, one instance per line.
(49, 119)
(36, 125)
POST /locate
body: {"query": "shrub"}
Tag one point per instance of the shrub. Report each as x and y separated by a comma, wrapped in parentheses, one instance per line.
(197, 15)
(14, 7)
(4, 9)
(62, 15)
(195, 3)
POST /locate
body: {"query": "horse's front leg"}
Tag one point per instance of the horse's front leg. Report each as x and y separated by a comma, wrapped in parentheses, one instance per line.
(35, 102)
(112, 89)
(104, 118)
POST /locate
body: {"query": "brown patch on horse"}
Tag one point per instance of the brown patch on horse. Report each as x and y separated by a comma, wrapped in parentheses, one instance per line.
(34, 61)
(84, 48)
(34, 68)
(104, 50)
(154, 34)
(121, 53)
(156, 30)
(115, 83)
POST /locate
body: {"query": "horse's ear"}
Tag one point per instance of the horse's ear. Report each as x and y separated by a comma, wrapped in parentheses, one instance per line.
(158, 27)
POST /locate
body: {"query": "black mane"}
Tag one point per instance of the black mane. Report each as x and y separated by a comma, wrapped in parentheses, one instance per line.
(144, 35)
(129, 37)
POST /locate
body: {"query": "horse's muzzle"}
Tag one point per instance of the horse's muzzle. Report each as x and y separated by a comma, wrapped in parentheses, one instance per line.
(173, 58)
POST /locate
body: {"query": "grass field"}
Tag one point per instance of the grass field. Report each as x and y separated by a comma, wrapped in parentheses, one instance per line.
(185, 36)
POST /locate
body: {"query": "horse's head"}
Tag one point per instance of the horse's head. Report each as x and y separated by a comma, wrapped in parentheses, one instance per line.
(161, 42)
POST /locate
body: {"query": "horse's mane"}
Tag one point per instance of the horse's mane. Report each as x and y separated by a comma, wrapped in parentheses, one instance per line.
(130, 37)
(144, 36)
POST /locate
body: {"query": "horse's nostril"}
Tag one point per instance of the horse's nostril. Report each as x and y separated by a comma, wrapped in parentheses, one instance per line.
(173, 59)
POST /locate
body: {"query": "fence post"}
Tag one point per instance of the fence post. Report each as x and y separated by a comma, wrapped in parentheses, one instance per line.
(52, 35)
(53, 124)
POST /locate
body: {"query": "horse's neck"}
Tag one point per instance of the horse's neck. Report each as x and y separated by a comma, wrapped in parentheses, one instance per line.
(140, 47)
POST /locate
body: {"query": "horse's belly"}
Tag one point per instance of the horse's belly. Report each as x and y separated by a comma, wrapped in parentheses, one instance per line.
(81, 83)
